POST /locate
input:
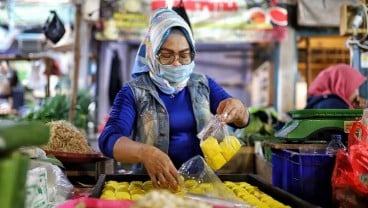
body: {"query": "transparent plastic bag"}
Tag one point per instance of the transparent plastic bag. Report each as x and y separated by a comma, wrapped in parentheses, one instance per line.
(36, 188)
(201, 182)
(335, 144)
(53, 185)
(49, 178)
(217, 145)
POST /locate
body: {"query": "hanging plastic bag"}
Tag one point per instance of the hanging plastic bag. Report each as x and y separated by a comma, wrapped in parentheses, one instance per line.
(180, 10)
(217, 145)
(54, 28)
(350, 174)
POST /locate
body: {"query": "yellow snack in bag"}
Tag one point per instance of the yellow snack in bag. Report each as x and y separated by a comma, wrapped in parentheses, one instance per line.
(217, 161)
(213, 153)
(217, 154)
(230, 145)
(210, 147)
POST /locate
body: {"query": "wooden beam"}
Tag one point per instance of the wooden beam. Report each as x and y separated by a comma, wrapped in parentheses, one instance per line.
(78, 18)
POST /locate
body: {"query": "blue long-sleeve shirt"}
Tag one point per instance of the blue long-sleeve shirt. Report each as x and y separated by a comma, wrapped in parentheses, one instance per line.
(184, 143)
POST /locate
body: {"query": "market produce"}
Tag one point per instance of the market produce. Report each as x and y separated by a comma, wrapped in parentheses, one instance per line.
(253, 196)
(166, 199)
(122, 190)
(217, 154)
(14, 164)
(264, 123)
(133, 190)
(56, 107)
(14, 134)
(13, 171)
(230, 145)
(138, 191)
(66, 137)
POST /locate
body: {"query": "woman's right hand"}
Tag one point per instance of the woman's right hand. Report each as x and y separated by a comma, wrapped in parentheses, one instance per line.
(160, 168)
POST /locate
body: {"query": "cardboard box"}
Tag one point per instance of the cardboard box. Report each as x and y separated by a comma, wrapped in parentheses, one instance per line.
(263, 168)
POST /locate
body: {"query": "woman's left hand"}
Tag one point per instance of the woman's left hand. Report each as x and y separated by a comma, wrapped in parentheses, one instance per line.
(232, 110)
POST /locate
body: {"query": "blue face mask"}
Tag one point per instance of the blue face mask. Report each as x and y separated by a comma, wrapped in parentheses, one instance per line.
(176, 74)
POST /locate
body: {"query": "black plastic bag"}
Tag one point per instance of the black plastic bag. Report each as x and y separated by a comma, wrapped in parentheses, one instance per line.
(180, 10)
(54, 28)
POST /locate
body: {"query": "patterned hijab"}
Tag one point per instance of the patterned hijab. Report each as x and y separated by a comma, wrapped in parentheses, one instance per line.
(158, 30)
(341, 80)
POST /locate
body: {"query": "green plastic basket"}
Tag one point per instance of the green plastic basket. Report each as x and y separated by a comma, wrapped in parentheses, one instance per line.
(317, 124)
(326, 114)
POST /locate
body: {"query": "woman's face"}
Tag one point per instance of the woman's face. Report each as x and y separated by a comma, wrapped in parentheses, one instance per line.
(176, 44)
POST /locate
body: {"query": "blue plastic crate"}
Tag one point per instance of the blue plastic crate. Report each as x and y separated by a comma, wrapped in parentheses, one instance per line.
(306, 175)
(278, 160)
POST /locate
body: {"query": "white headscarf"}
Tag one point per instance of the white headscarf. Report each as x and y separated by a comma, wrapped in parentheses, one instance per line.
(159, 29)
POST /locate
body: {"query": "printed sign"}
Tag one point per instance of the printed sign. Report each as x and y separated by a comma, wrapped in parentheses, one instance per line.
(212, 21)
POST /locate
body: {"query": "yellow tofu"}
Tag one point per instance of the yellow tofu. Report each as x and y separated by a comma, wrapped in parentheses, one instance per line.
(122, 195)
(234, 142)
(230, 146)
(210, 147)
(217, 162)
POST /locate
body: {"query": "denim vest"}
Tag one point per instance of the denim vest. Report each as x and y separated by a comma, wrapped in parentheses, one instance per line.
(152, 123)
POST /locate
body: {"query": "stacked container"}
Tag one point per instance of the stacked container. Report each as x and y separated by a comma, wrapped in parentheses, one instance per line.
(306, 172)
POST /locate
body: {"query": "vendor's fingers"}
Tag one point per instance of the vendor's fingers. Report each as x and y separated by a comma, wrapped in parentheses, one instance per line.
(239, 114)
(155, 181)
(220, 108)
(180, 180)
(227, 116)
(162, 181)
(173, 180)
(224, 115)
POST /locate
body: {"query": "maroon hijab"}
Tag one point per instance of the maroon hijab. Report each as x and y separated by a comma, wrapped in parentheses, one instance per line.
(340, 79)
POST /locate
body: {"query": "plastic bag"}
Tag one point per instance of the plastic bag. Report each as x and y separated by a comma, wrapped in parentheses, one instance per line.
(54, 28)
(180, 9)
(201, 182)
(217, 145)
(350, 174)
(335, 144)
(36, 188)
(46, 185)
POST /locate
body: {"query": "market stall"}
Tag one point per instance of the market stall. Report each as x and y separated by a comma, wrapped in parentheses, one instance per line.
(81, 176)
(303, 154)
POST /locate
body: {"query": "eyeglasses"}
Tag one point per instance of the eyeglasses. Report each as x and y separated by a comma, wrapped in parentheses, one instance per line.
(169, 58)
